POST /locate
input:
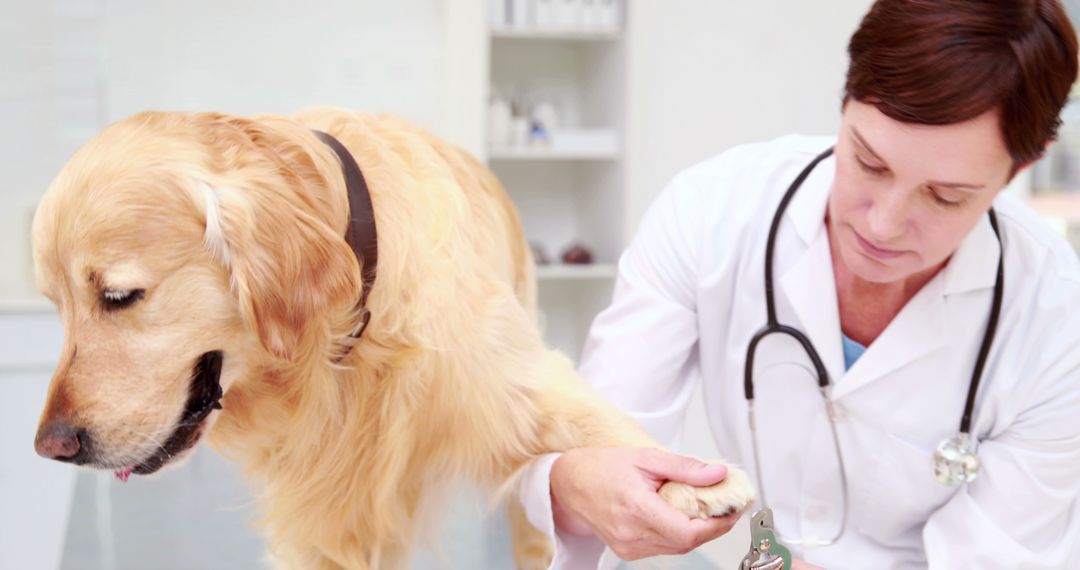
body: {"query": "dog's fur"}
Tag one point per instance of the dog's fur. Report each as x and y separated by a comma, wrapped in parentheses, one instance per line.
(233, 226)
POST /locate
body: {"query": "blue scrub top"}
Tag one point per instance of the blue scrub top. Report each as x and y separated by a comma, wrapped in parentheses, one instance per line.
(852, 351)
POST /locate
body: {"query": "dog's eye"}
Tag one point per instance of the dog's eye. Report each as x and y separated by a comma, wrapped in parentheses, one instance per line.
(113, 299)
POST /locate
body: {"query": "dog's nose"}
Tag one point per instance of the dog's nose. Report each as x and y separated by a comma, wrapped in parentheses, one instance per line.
(60, 441)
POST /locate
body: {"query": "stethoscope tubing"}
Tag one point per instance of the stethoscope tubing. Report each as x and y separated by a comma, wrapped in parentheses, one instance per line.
(773, 326)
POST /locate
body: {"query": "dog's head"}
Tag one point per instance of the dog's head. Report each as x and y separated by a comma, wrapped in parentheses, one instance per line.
(184, 253)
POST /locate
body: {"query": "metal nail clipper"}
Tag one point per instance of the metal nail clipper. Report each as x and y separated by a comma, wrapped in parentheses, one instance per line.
(766, 552)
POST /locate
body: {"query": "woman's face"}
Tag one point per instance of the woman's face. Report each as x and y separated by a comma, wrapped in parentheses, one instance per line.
(905, 195)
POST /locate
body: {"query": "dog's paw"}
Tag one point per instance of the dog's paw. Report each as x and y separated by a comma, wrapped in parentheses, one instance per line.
(534, 554)
(731, 495)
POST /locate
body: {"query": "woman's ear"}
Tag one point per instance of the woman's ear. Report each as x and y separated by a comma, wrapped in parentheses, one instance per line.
(289, 266)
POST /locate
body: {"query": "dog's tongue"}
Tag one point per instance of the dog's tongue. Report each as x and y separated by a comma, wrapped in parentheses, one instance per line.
(123, 474)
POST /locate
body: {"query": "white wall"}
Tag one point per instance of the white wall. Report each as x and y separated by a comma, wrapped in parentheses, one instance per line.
(69, 67)
(34, 65)
(705, 76)
(35, 495)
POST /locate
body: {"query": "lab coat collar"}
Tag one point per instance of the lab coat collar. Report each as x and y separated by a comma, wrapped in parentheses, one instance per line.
(921, 327)
(815, 305)
(918, 330)
(974, 264)
(807, 208)
(811, 290)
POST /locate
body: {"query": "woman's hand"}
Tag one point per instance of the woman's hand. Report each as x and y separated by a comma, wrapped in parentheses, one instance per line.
(611, 492)
(800, 565)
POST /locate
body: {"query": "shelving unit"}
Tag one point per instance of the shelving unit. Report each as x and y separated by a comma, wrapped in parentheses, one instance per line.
(570, 189)
(556, 35)
(561, 271)
(503, 154)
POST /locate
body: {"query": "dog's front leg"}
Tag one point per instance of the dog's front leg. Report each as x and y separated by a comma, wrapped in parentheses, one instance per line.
(286, 557)
(531, 548)
(574, 416)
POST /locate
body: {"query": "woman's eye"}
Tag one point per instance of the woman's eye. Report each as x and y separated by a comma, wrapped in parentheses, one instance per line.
(875, 170)
(942, 201)
(114, 299)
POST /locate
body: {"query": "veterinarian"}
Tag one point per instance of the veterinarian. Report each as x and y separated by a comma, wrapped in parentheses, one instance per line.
(886, 257)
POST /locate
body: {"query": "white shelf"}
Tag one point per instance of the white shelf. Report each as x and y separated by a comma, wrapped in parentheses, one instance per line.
(566, 271)
(561, 35)
(551, 154)
(569, 188)
(25, 305)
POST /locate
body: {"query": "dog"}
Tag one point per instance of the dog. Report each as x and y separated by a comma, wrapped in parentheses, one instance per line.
(201, 267)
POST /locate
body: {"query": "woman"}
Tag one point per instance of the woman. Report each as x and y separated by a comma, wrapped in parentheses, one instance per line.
(887, 247)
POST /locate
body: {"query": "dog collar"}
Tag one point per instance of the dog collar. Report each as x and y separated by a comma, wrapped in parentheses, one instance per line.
(360, 234)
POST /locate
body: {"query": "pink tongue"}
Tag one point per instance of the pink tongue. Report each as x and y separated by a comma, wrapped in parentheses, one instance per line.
(123, 474)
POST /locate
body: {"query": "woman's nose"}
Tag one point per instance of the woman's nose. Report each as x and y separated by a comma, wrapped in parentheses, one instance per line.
(887, 218)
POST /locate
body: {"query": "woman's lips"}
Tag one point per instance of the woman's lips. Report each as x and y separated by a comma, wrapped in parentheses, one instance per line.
(874, 251)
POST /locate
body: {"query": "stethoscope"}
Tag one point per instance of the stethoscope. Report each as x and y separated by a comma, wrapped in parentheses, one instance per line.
(955, 460)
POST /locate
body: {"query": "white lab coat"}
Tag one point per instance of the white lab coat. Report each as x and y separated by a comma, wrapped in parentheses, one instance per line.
(690, 295)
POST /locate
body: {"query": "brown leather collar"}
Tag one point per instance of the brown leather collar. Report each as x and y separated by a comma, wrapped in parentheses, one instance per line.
(360, 234)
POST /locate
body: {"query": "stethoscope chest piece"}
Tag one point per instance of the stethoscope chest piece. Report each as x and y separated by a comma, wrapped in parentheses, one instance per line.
(955, 461)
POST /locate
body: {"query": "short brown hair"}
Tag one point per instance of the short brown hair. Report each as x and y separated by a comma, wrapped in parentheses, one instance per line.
(938, 62)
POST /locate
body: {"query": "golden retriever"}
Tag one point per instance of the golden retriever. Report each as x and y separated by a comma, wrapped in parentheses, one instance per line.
(192, 254)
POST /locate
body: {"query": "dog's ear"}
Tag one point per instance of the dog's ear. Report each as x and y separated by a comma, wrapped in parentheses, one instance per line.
(276, 213)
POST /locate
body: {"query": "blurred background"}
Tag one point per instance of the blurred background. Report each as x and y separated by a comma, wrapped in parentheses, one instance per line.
(583, 108)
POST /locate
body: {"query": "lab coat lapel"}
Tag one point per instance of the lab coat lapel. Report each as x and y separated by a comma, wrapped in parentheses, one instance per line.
(810, 289)
(921, 327)
(808, 284)
(918, 330)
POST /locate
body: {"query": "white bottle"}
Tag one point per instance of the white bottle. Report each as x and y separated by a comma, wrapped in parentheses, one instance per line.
(519, 128)
(499, 123)
(545, 115)
(545, 121)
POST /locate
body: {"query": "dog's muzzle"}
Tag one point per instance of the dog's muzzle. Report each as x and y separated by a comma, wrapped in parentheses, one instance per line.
(204, 396)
